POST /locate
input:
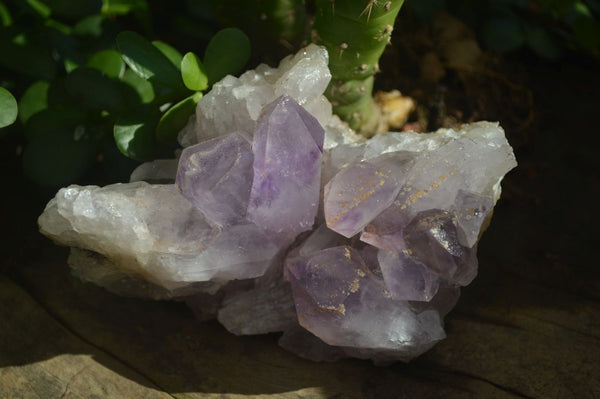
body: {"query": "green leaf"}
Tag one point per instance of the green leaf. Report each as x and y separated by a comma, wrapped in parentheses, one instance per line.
(143, 88)
(193, 72)
(109, 62)
(169, 51)
(27, 59)
(134, 135)
(176, 118)
(53, 119)
(91, 25)
(94, 90)
(34, 100)
(8, 108)
(5, 17)
(148, 61)
(227, 53)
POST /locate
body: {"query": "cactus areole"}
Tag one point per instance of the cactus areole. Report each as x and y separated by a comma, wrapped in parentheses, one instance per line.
(355, 33)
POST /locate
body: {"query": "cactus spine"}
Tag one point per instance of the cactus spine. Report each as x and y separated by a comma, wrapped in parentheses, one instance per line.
(355, 32)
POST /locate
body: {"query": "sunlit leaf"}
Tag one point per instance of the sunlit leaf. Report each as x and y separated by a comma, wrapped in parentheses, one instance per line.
(227, 53)
(193, 72)
(148, 61)
(142, 87)
(8, 108)
(176, 118)
(108, 61)
(169, 51)
(34, 100)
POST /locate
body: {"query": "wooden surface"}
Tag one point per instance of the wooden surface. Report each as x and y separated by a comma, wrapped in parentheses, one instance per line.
(528, 327)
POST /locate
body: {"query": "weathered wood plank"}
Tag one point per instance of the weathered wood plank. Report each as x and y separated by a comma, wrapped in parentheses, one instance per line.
(39, 358)
(190, 359)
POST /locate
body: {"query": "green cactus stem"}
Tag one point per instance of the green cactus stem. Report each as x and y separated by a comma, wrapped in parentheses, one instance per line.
(355, 32)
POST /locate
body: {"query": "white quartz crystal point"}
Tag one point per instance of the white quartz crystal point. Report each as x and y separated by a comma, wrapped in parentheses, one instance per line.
(303, 76)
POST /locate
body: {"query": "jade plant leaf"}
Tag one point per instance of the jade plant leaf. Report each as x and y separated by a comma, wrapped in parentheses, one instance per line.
(226, 54)
(34, 100)
(8, 108)
(148, 61)
(109, 62)
(169, 51)
(134, 135)
(176, 118)
(193, 72)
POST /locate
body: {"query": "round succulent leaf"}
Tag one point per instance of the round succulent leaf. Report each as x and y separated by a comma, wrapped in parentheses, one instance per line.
(169, 51)
(34, 100)
(94, 90)
(109, 62)
(193, 72)
(143, 88)
(90, 26)
(226, 54)
(49, 120)
(148, 61)
(176, 117)
(8, 108)
(134, 136)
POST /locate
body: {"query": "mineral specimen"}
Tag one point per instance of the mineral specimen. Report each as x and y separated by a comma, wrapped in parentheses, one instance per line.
(279, 218)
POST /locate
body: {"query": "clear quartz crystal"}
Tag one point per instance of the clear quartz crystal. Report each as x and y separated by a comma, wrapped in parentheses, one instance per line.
(279, 218)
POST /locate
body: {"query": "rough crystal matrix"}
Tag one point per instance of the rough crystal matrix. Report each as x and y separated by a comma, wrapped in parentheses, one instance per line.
(279, 219)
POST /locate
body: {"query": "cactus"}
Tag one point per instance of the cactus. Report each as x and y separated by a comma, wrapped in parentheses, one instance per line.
(355, 32)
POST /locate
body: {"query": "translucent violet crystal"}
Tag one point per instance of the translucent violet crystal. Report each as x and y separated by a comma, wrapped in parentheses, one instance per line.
(277, 218)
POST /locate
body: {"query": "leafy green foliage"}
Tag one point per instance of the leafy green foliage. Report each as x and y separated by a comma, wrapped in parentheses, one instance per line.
(176, 118)
(193, 72)
(226, 54)
(109, 62)
(148, 61)
(84, 78)
(34, 100)
(8, 107)
(134, 135)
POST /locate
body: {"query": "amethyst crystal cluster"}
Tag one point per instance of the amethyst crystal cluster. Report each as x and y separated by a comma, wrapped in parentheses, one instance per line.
(276, 217)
